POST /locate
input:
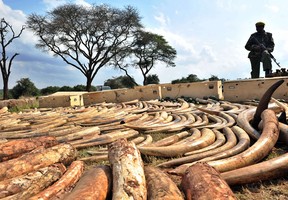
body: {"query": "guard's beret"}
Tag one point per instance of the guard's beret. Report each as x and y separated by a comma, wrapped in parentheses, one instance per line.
(260, 24)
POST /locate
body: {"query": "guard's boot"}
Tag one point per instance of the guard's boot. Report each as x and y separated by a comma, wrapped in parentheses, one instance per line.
(268, 72)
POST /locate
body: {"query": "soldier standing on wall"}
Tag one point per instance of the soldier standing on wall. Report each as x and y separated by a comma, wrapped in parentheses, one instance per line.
(260, 44)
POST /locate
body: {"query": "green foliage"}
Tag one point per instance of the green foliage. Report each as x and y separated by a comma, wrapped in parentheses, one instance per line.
(128, 82)
(215, 78)
(83, 88)
(190, 78)
(79, 88)
(18, 108)
(52, 89)
(24, 87)
(120, 82)
(66, 88)
(153, 79)
(49, 90)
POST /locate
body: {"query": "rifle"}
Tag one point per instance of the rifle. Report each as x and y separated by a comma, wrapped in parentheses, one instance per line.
(271, 55)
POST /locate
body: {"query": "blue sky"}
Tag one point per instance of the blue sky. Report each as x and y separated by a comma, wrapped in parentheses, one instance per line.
(209, 36)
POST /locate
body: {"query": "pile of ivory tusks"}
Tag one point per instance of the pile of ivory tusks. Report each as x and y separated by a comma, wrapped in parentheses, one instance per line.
(218, 133)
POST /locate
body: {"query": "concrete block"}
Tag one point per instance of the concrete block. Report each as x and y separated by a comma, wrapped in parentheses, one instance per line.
(253, 89)
(62, 99)
(148, 92)
(108, 96)
(194, 90)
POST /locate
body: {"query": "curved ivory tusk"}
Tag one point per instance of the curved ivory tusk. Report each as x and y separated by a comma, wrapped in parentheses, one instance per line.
(175, 124)
(231, 108)
(220, 140)
(263, 103)
(267, 170)
(141, 126)
(230, 120)
(195, 134)
(258, 150)
(243, 144)
(138, 139)
(197, 123)
(280, 104)
(214, 121)
(283, 135)
(104, 139)
(231, 142)
(186, 119)
(243, 121)
(146, 142)
(207, 138)
(170, 140)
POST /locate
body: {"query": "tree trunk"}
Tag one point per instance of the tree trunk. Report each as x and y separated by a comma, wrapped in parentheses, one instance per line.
(128, 173)
(144, 80)
(88, 83)
(95, 183)
(37, 159)
(5, 87)
(15, 148)
(201, 182)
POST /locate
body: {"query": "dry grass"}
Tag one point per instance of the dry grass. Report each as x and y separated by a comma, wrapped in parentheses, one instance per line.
(273, 189)
(276, 189)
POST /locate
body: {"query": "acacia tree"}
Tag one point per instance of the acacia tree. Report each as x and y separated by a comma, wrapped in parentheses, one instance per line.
(86, 38)
(7, 35)
(150, 48)
(147, 49)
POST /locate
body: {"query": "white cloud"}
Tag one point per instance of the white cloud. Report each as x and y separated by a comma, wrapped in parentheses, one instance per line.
(83, 3)
(13, 17)
(70, 68)
(50, 4)
(209, 37)
(272, 8)
(207, 54)
(162, 19)
(175, 40)
(224, 4)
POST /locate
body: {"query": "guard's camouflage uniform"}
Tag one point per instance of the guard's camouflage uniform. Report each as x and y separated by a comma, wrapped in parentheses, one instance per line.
(258, 54)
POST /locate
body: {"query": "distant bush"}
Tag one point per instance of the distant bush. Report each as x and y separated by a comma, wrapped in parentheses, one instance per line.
(24, 87)
(49, 90)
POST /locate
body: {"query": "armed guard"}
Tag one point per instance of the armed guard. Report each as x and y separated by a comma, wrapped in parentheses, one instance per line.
(260, 44)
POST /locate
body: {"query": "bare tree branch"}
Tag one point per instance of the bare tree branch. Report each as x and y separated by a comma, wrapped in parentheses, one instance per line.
(7, 36)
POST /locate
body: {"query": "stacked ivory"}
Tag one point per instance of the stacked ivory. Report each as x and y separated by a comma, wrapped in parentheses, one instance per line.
(39, 160)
